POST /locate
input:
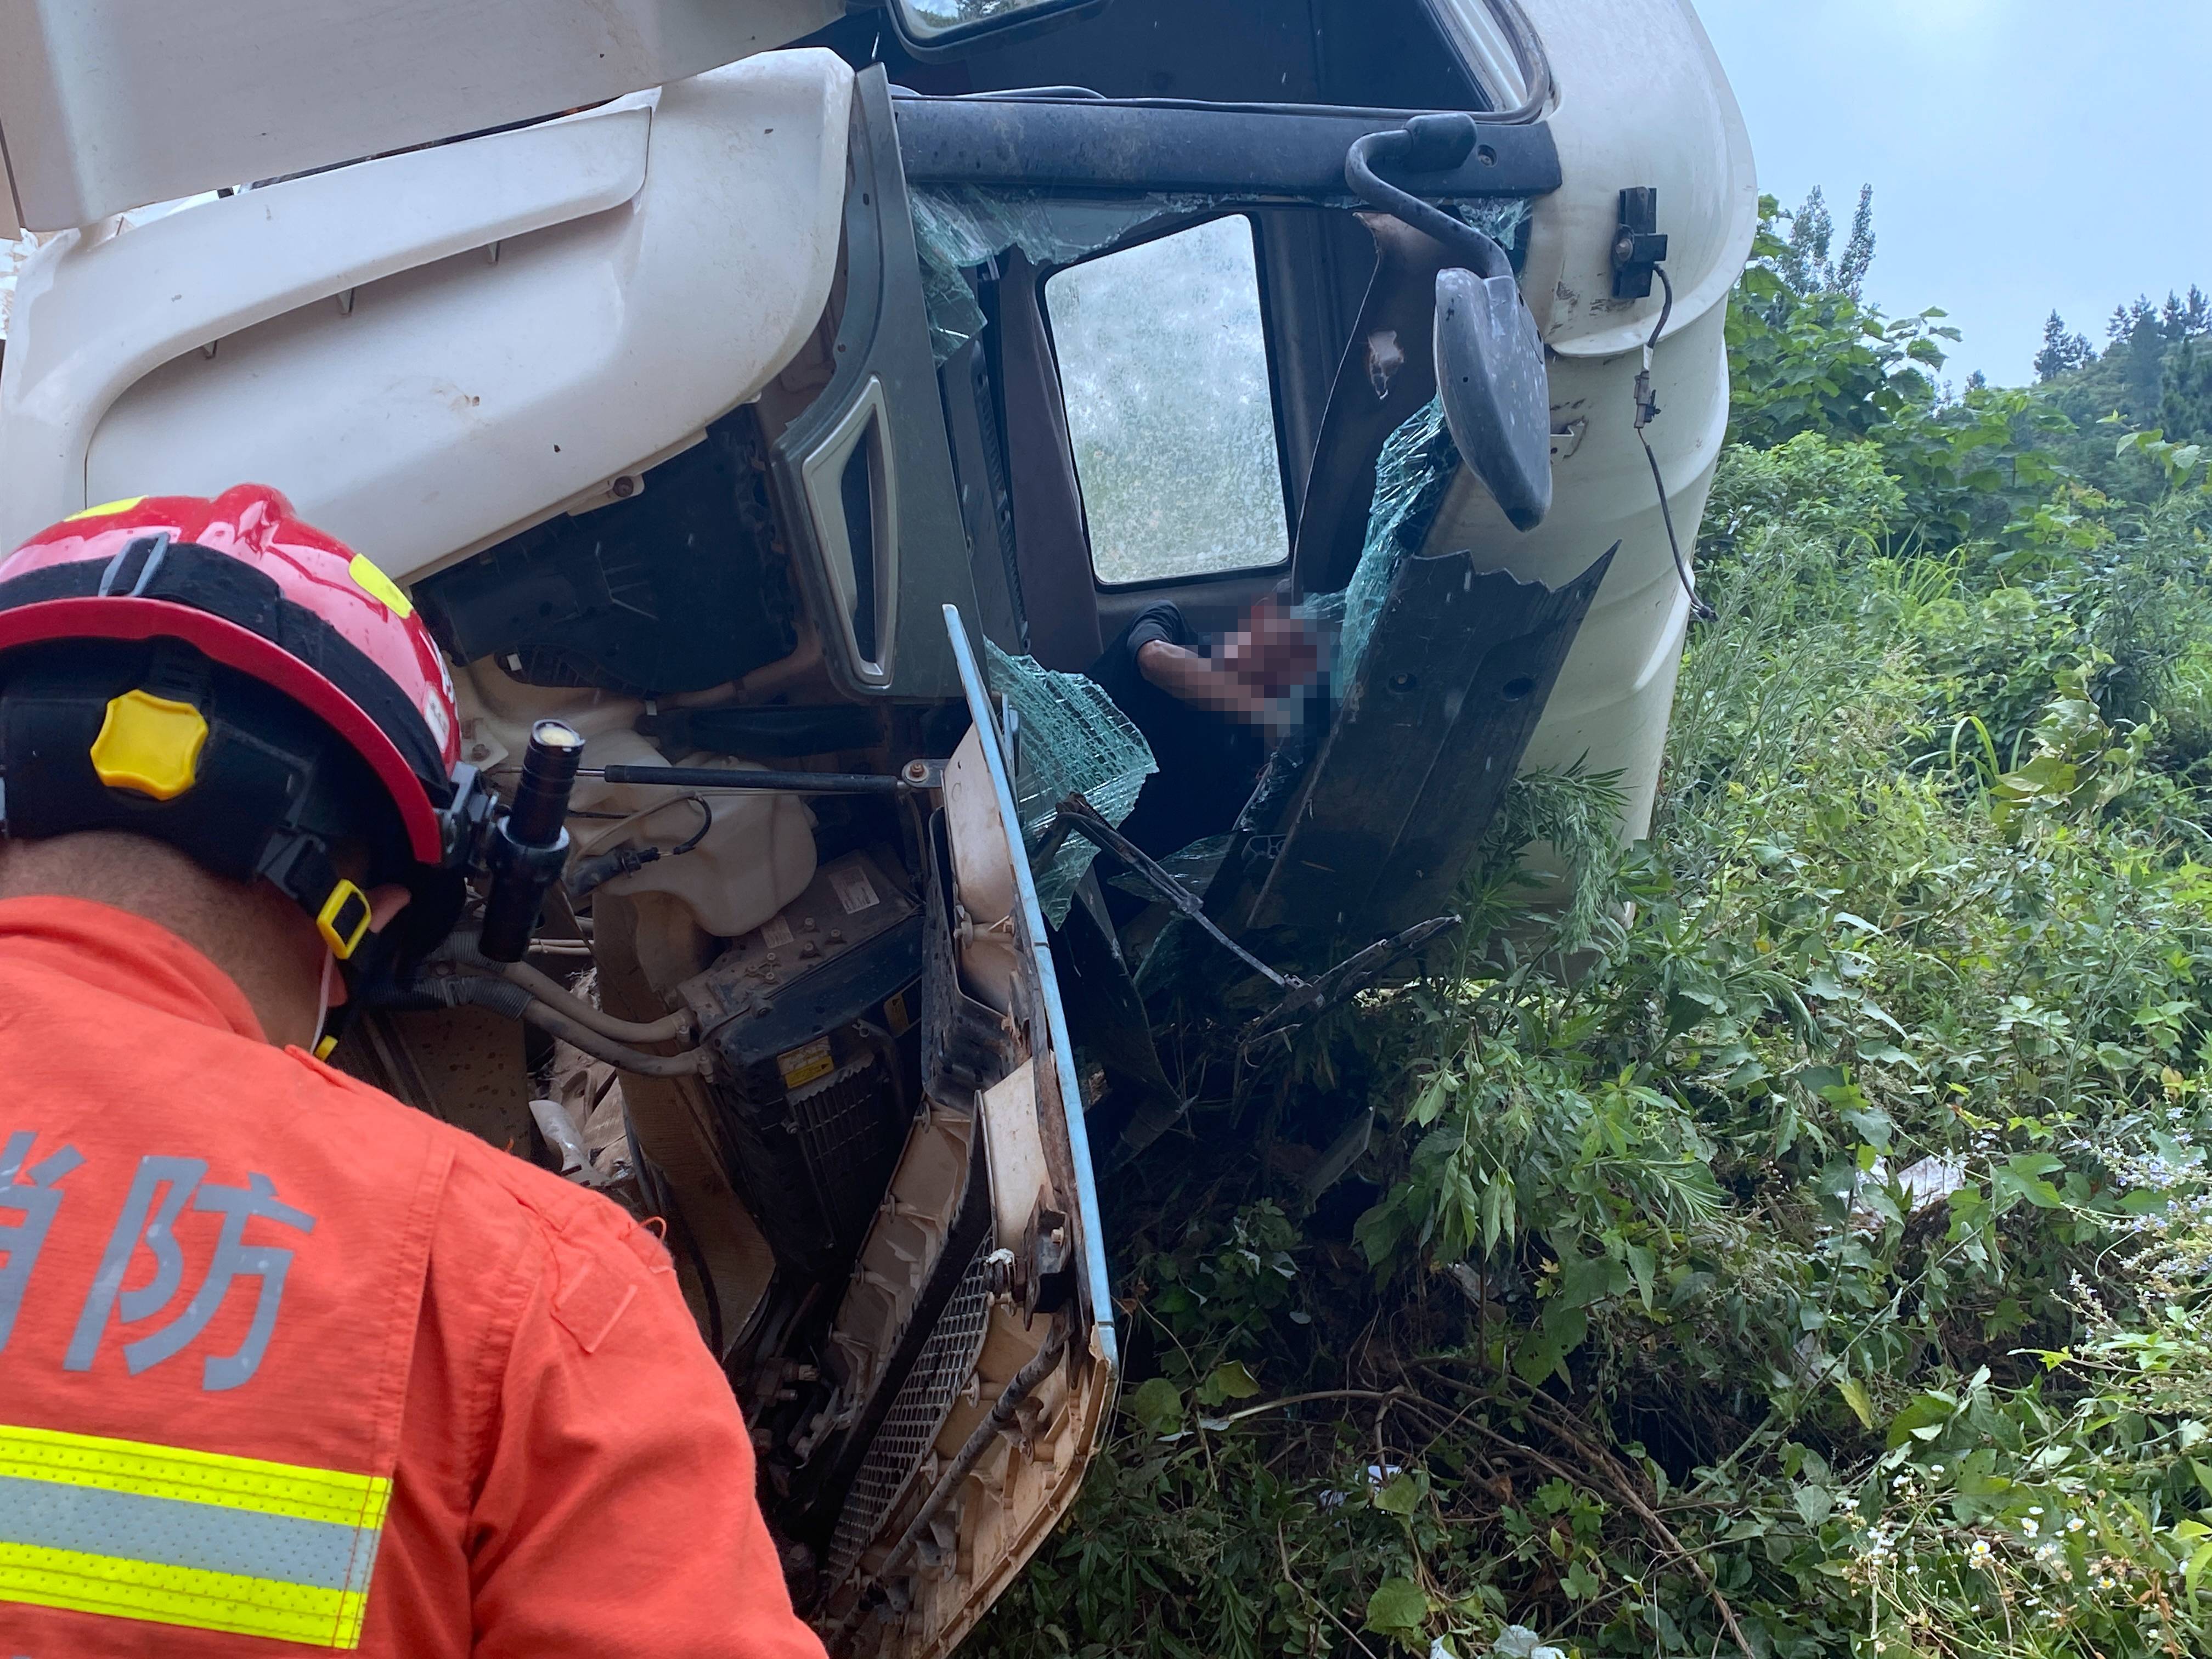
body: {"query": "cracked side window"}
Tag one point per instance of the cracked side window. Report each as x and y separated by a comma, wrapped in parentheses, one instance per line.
(1163, 364)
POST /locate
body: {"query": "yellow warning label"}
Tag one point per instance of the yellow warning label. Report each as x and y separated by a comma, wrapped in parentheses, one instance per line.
(802, 1065)
(105, 508)
(894, 1012)
(380, 587)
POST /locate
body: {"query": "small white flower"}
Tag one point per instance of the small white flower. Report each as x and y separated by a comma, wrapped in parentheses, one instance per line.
(2031, 1526)
(2035, 1509)
(2075, 1525)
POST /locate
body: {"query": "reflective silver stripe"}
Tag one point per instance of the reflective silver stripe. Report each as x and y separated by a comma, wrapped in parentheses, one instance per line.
(172, 1532)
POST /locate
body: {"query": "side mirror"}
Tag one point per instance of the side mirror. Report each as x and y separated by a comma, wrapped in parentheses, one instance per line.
(1497, 402)
(1490, 362)
(933, 29)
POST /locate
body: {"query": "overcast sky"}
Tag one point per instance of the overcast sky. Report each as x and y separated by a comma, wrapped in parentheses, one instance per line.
(2024, 153)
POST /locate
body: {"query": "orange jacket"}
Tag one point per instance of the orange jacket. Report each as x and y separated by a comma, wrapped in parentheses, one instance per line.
(285, 1365)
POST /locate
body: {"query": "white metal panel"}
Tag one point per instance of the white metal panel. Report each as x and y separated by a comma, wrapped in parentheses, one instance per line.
(1640, 99)
(461, 398)
(94, 312)
(109, 103)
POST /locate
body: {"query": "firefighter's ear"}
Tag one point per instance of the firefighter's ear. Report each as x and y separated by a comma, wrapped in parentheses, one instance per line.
(386, 903)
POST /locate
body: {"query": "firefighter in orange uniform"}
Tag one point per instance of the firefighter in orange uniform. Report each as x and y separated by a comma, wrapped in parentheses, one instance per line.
(283, 1363)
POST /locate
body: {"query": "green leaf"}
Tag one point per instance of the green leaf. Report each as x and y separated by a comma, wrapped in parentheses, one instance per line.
(1158, 1404)
(2200, 1558)
(1856, 1396)
(1583, 1280)
(1430, 1103)
(1402, 1496)
(2021, 1176)
(1560, 1334)
(1234, 1382)
(1642, 1265)
(1398, 1608)
(1814, 1503)
(1581, 1583)
(1930, 1411)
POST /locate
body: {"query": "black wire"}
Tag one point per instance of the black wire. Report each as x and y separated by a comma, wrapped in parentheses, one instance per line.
(1699, 610)
(707, 815)
(699, 801)
(1666, 306)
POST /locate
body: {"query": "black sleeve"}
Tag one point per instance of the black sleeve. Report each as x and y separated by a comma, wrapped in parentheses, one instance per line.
(1162, 621)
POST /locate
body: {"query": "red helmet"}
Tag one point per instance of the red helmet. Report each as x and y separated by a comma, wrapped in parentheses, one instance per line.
(270, 601)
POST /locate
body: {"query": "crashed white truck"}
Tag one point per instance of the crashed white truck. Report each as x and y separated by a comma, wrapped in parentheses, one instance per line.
(775, 393)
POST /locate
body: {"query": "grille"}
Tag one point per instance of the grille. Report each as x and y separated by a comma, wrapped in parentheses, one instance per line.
(848, 1130)
(945, 1362)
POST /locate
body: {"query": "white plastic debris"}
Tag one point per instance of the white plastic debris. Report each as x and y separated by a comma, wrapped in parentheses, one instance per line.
(1519, 1642)
(1931, 1180)
(560, 1133)
(1925, 1180)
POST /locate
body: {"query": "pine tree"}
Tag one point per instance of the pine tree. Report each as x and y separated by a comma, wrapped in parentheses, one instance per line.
(1804, 263)
(2180, 319)
(2125, 319)
(2050, 362)
(2196, 313)
(1858, 251)
(2185, 408)
(2146, 356)
(2061, 351)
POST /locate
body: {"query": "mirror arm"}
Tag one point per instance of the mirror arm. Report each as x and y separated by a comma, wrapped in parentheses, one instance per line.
(1426, 144)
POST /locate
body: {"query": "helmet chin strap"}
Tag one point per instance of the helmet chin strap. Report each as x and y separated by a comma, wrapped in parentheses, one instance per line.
(323, 1000)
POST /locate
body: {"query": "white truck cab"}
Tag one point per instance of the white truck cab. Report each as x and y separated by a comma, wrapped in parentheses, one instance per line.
(765, 386)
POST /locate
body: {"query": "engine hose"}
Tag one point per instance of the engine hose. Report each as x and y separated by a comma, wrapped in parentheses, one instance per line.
(503, 996)
(548, 990)
(970, 1455)
(691, 1063)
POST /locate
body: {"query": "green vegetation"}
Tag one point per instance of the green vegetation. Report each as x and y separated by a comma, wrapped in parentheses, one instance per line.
(1816, 1270)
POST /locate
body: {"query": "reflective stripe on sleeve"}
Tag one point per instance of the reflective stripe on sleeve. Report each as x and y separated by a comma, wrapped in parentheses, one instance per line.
(171, 1535)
